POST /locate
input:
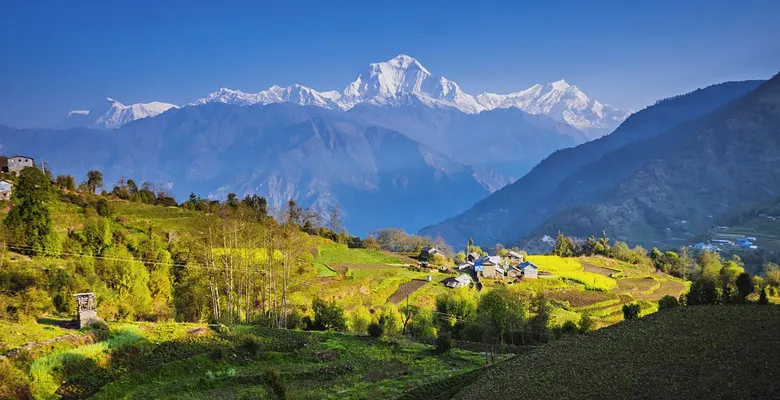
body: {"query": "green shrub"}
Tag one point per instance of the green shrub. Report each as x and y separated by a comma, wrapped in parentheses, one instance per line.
(587, 324)
(251, 344)
(13, 382)
(631, 311)
(444, 343)
(375, 330)
(274, 380)
(668, 302)
(569, 328)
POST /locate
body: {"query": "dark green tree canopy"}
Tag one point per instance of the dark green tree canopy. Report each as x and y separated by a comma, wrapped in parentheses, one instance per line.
(29, 222)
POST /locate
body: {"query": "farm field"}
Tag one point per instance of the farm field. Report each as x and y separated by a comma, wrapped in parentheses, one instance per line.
(171, 360)
(600, 286)
(737, 344)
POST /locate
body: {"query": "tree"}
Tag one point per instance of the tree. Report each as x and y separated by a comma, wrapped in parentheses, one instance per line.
(444, 343)
(29, 221)
(258, 204)
(744, 285)
(132, 187)
(460, 258)
(328, 316)
(375, 330)
(360, 321)
(496, 306)
(587, 324)
(94, 180)
(703, 291)
(335, 223)
(763, 299)
(772, 274)
(232, 200)
(668, 302)
(391, 321)
(631, 311)
(564, 246)
(293, 213)
(66, 182)
(422, 324)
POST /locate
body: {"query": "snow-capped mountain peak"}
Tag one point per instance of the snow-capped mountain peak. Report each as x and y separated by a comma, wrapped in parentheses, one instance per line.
(394, 82)
(559, 85)
(111, 114)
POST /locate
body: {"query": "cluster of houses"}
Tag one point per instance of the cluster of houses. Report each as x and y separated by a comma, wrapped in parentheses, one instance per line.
(476, 267)
(13, 165)
(746, 243)
(769, 217)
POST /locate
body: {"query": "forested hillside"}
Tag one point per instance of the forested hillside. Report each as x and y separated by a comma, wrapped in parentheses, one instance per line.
(577, 175)
(692, 173)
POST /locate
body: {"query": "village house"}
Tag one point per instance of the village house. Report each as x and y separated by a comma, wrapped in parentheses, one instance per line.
(514, 257)
(462, 281)
(488, 267)
(427, 253)
(472, 257)
(530, 270)
(17, 163)
(526, 270)
(469, 266)
(5, 190)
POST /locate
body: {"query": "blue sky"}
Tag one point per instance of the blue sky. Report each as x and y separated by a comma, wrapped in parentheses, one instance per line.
(59, 55)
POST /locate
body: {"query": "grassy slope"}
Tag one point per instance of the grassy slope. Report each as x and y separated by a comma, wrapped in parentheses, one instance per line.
(312, 365)
(359, 277)
(714, 352)
(13, 335)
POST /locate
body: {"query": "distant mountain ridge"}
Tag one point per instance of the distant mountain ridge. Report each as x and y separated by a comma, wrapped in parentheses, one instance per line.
(111, 114)
(315, 156)
(679, 181)
(402, 79)
(581, 174)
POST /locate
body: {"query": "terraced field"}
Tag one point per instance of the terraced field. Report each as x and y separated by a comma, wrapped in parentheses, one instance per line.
(406, 289)
(147, 360)
(716, 343)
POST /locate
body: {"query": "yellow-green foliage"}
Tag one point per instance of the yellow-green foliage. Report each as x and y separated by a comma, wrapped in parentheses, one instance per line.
(570, 268)
(559, 316)
(14, 335)
(335, 253)
(48, 372)
(257, 255)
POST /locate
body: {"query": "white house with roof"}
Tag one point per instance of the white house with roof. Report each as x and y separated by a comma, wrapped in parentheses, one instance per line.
(462, 281)
(17, 163)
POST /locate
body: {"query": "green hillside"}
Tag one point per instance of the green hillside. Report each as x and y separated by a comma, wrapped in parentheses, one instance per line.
(711, 352)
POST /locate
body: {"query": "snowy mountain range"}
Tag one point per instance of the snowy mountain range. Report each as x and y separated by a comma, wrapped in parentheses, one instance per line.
(397, 82)
(402, 79)
(111, 114)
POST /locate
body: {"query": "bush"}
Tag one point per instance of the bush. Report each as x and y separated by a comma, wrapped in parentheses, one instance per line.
(668, 302)
(631, 311)
(391, 321)
(569, 328)
(444, 343)
(360, 320)
(251, 344)
(274, 380)
(328, 316)
(375, 330)
(13, 383)
(586, 323)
